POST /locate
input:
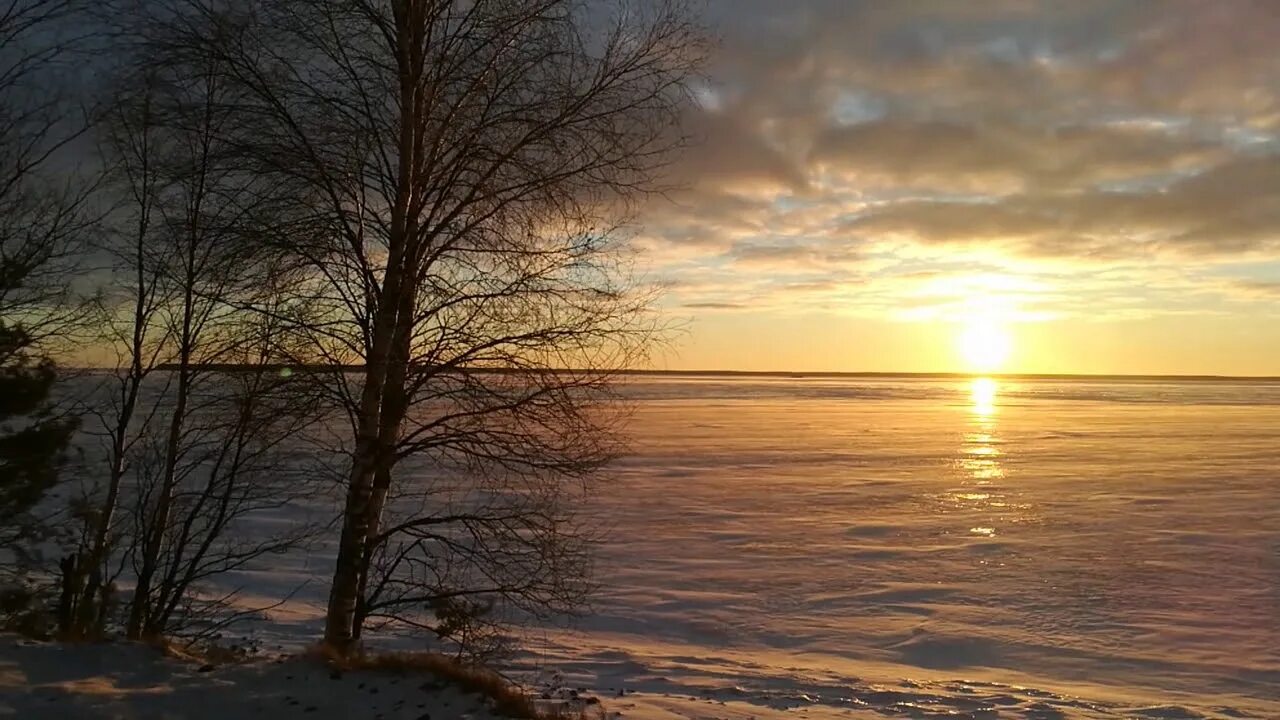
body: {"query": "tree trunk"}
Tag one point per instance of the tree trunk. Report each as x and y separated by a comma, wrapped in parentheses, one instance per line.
(159, 518)
(93, 560)
(361, 513)
(393, 408)
(348, 569)
(70, 592)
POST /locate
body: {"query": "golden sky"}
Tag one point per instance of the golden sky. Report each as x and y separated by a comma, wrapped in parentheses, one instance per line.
(1086, 186)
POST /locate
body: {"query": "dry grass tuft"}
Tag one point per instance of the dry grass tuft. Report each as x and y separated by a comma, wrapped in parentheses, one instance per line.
(173, 650)
(209, 653)
(508, 699)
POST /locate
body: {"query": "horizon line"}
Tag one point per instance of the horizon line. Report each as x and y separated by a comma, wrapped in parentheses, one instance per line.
(961, 375)
(795, 374)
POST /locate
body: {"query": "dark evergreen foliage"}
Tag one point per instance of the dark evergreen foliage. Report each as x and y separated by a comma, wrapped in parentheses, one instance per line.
(33, 438)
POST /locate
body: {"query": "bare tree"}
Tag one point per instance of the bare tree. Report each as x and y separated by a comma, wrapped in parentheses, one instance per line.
(462, 171)
(235, 466)
(126, 315)
(200, 208)
(193, 449)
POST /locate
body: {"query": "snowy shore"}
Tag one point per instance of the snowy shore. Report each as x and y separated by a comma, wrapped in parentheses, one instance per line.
(112, 681)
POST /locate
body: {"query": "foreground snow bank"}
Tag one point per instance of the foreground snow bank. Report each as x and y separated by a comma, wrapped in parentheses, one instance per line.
(52, 680)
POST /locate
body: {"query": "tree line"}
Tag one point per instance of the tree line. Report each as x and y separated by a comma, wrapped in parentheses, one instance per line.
(422, 205)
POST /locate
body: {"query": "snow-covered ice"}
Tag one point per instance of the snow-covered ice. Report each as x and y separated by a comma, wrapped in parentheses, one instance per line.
(918, 548)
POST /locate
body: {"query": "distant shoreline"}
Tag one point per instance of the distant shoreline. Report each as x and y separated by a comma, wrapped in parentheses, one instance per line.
(953, 375)
(794, 374)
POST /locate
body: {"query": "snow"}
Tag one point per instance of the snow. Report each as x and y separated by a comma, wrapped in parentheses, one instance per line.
(115, 681)
(850, 548)
(1081, 550)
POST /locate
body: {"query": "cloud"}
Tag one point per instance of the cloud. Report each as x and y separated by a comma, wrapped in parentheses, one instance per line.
(955, 156)
(732, 155)
(853, 147)
(714, 306)
(1223, 212)
(1200, 59)
(1249, 289)
(794, 257)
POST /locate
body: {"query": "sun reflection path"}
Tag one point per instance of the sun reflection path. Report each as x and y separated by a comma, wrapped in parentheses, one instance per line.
(980, 454)
(983, 503)
(983, 391)
(979, 458)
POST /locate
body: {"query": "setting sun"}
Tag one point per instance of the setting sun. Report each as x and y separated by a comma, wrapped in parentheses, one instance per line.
(985, 345)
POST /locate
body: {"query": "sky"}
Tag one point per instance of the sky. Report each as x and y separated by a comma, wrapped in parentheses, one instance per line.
(1060, 187)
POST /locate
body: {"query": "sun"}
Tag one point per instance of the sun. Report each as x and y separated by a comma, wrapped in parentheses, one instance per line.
(985, 345)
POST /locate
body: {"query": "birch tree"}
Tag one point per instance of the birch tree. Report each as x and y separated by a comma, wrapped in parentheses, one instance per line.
(468, 171)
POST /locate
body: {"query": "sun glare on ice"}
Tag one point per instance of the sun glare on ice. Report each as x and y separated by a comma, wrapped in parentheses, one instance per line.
(983, 393)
